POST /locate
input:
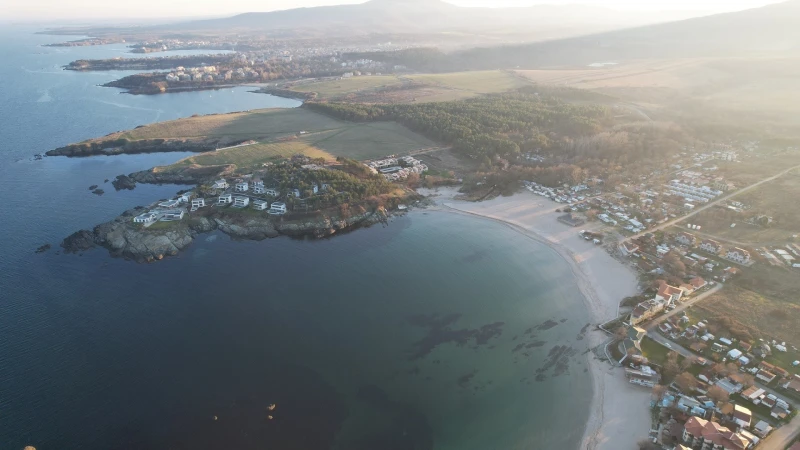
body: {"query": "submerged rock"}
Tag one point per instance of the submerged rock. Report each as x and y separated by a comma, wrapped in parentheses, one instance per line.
(43, 248)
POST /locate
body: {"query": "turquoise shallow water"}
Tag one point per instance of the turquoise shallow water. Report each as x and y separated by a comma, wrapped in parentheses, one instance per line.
(426, 333)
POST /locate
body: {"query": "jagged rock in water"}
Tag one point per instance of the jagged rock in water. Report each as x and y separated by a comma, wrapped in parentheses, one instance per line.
(78, 241)
(123, 182)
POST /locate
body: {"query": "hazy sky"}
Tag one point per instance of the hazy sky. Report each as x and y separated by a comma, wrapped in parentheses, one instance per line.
(89, 9)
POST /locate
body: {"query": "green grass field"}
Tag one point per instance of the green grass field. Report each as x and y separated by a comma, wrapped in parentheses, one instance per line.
(329, 89)
(425, 87)
(477, 82)
(352, 140)
(256, 124)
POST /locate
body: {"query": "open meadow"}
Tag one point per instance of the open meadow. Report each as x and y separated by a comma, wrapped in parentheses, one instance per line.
(358, 141)
(413, 88)
(255, 124)
(755, 92)
(766, 220)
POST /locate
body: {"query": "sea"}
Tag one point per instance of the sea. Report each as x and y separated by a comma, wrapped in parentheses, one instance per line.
(433, 332)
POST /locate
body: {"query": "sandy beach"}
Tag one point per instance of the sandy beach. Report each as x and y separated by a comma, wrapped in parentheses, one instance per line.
(620, 414)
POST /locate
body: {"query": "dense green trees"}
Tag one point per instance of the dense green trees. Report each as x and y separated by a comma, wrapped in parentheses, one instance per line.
(496, 125)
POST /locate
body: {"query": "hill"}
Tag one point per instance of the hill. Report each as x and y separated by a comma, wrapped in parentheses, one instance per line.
(770, 30)
(409, 17)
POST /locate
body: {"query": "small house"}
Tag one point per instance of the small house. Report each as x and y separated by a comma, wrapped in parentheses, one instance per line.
(169, 203)
(277, 208)
(240, 201)
(242, 187)
(260, 205)
(172, 215)
(148, 217)
(272, 192)
(198, 203)
(220, 184)
(225, 199)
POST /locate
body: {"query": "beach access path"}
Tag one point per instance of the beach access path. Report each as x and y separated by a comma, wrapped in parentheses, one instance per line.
(619, 415)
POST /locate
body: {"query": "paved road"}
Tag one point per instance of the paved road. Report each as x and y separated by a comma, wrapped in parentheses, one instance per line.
(714, 203)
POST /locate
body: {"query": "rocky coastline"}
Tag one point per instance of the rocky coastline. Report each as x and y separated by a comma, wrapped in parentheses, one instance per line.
(122, 238)
(121, 146)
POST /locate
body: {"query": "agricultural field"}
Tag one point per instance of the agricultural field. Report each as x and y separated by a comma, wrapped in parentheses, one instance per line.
(413, 88)
(352, 140)
(256, 124)
(335, 88)
(754, 92)
(766, 201)
(473, 83)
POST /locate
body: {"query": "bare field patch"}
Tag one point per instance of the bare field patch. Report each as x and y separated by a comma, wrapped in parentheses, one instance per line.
(766, 316)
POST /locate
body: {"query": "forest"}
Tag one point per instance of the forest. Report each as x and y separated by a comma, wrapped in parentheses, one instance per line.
(488, 126)
(575, 132)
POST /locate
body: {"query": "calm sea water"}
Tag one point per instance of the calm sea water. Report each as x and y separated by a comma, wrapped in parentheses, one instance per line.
(429, 333)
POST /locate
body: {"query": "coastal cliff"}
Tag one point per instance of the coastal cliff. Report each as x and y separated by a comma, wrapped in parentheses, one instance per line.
(124, 146)
(124, 239)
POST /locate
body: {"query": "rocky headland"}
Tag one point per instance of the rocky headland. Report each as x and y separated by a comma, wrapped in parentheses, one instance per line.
(118, 146)
(122, 238)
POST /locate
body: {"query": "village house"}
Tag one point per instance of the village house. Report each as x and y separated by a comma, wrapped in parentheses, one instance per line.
(220, 184)
(668, 294)
(644, 376)
(742, 416)
(185, 197)
(271, 192)
(277, 209)
(258, 187)
(225, 199)
(198, 203)
(240, 201)
(242, 187)
(698, 283)
(628, 248)
(260, 205)
(686, 238)
(793, 384)
(296, 193)
(148, 217)
(711, 246)
(738, 255)
(701, 433)
(646, 310)
(169, 203)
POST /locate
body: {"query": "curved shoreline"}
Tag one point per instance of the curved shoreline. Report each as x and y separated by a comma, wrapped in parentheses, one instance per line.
(605, 380)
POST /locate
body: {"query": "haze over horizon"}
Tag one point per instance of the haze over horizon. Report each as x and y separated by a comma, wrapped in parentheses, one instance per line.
(88, 10)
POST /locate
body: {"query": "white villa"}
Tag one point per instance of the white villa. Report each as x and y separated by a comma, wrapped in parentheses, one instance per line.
(711, 246)
(172, 215)
(738, 255)
(148, 217)
(296, 192)
(198, 203)
(184, 198)
(225, 199)
(240, 202)
(242, 187)
(272, 192)
(277, 209)
(260, 205)
(220, 184)
(170, 203)
(258, 187)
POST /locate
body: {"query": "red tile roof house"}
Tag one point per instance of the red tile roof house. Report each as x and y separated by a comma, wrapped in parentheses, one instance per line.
(712, 436)
(698, 283)
(668, 294)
